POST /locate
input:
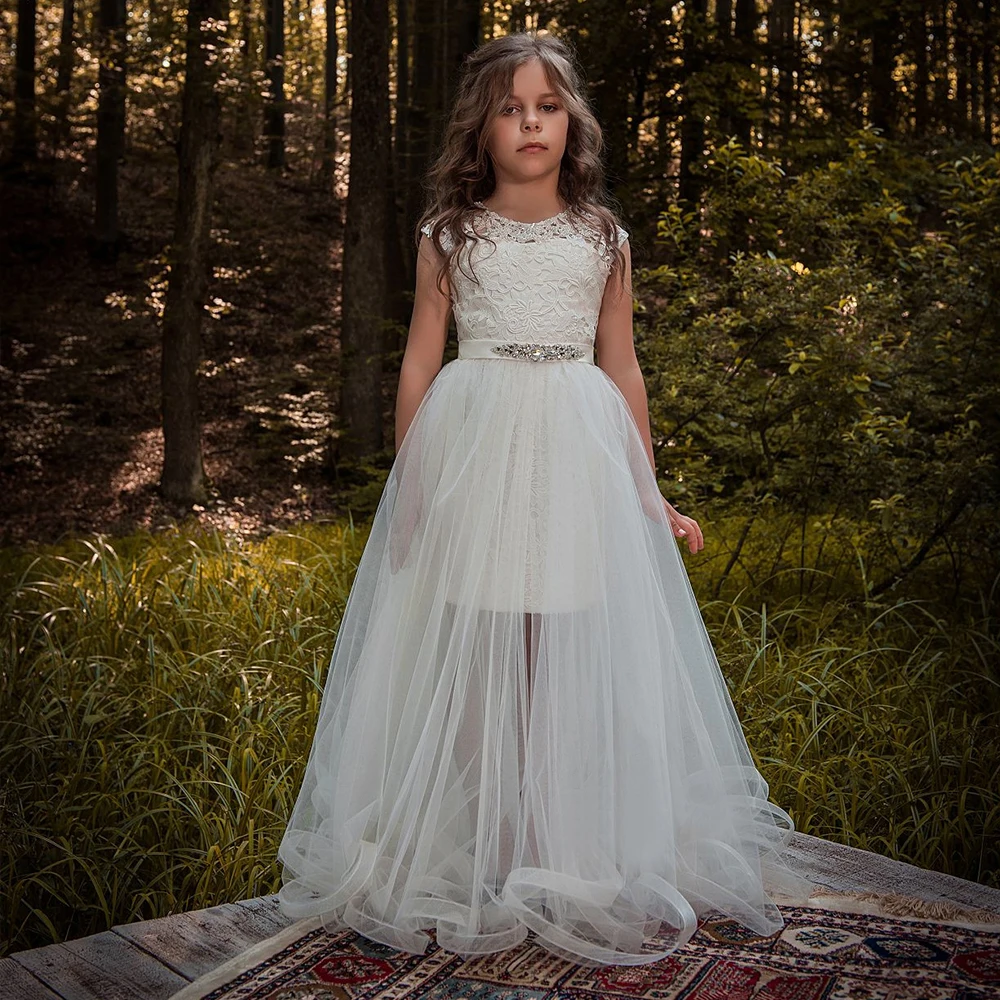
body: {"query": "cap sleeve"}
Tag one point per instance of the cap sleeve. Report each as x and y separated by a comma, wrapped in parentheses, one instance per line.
(446, 241)
(622, 235)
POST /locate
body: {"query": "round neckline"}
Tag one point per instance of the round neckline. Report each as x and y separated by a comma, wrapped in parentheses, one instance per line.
(518, 222)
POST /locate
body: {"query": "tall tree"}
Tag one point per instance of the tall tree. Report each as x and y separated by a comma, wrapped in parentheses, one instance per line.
(781, 44)
(746, 27)
(724, 37)
(25, 121)
(64, 77)
(274, 109)
(882, 97)
(396, 258)
(421, 117)
(963, 80)
(364, 296)
(917, 20)
(183, 473)
(942, 45)
(110, 121)
(331, 53)
(422, 94)
(245, 127)
(989, 79)
(693, 122)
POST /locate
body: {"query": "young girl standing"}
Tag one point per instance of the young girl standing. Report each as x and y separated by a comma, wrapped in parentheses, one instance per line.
(524, 726)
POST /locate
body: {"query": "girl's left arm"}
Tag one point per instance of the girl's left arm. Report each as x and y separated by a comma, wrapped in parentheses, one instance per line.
(616, 349)
(615, 346)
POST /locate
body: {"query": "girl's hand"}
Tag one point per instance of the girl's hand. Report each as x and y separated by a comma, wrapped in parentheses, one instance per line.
(685, 527)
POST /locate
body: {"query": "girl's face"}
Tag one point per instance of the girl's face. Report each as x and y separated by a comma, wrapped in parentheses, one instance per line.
(533, 114)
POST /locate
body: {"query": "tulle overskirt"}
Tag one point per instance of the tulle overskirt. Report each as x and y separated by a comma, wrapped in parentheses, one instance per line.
(524, 724)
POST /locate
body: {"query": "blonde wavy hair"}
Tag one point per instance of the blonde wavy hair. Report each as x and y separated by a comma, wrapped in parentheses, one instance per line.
(463, 172)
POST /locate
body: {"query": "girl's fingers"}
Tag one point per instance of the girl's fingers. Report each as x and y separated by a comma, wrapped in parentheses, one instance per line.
(695, 538)
(684, 527)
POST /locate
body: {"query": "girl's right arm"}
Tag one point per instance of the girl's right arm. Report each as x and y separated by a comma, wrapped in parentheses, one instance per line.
(426, 339)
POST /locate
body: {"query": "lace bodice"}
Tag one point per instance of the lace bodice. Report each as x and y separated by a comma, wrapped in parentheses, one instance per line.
(542, 282)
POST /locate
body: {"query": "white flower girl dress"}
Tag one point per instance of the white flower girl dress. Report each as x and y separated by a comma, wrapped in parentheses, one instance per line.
(524, 725)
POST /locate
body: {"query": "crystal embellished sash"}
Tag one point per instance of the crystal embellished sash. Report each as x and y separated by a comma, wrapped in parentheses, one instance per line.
(477, 348)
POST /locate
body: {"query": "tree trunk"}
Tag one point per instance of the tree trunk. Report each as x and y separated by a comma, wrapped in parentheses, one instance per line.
(975, 80)
(64, 77)
(942, 107)
(364, 296)
(798, 79)
(724, 46)
(331, 53)
(110, 122)
(399, 301)
(772, 62)
(961, 103)
(274, 112)
(402, 265)
(883, 57)
(918, 35)
(183, 475)
(746, 25)
(989, 42)
(463, 27)
(420, 116)
(244, 130)
(784, 13)
(25, 147)
(724, 19)
(460, 35)
(692, 123)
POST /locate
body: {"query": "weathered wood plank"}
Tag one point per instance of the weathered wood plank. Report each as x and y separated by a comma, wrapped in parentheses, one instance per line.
(195, 943)
(102, 966)
(266, 908)
(848, 868)
(152, 959)
(16, 983)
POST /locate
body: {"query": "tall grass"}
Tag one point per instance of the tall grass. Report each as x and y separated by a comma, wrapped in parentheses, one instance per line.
(158, 696)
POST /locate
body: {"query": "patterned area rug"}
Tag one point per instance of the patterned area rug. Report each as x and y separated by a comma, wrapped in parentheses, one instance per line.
(820, 954)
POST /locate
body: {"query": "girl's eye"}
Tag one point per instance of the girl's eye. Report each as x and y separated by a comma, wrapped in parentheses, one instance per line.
(512, 106)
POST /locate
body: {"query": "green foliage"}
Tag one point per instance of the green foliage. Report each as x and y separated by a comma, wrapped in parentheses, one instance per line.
(159, 694)
(872, 729)
(158, 699)
(821, 343)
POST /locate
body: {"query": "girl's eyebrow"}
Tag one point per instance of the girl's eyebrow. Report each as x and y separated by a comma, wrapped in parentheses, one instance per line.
(548, 93)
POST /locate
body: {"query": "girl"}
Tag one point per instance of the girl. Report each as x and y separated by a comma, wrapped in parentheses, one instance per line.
(524, 726)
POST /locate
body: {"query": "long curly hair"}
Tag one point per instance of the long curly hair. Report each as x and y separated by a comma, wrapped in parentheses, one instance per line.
(463, 172)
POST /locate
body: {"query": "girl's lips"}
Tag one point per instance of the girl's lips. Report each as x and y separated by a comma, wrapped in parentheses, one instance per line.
(532, 149)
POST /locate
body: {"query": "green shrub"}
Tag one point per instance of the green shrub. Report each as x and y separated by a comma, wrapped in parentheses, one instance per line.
(823, 345)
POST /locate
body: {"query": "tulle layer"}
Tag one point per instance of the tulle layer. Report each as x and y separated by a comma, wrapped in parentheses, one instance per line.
(524, 725)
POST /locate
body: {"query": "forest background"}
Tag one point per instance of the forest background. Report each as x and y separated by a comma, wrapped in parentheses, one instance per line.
(205, 285)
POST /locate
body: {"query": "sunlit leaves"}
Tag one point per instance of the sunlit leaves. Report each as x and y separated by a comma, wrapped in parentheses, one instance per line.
(841, 354)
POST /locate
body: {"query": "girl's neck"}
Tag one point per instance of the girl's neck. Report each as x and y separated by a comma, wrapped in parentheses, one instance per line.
(518, 208)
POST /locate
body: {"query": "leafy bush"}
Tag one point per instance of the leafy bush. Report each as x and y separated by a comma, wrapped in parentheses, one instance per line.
(824, 346)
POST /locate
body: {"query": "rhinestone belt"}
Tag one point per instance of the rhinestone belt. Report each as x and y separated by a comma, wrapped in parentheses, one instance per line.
(476, 348)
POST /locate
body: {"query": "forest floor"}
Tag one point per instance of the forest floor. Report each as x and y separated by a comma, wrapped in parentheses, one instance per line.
(81, 443)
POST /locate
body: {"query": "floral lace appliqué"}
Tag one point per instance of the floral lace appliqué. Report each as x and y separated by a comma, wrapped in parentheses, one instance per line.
(538, 282)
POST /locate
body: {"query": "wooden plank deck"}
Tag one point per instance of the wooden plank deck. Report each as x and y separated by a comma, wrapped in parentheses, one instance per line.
(147, 960)
(153, 959)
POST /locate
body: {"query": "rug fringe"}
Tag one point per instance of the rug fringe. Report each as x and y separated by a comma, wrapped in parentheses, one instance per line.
(897, 905)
